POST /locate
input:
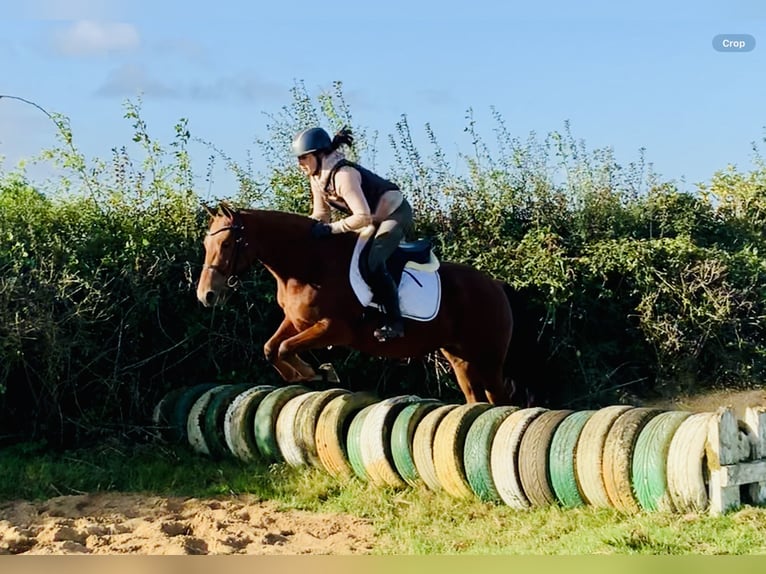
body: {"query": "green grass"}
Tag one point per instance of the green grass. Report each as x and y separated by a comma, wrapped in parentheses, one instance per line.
(409, 521)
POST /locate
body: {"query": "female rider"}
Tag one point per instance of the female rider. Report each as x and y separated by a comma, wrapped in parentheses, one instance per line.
(366, 199)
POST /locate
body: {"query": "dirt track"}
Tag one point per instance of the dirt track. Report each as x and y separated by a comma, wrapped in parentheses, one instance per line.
(114, 523)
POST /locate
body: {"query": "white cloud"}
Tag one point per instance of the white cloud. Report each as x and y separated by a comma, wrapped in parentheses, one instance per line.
(89, 38)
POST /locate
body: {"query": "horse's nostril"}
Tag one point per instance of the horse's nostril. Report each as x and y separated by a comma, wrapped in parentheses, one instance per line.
(210, 297)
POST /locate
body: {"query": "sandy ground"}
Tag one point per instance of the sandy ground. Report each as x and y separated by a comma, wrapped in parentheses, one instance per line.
(116, 523)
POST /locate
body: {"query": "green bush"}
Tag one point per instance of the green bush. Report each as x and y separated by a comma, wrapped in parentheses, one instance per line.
(632, 287)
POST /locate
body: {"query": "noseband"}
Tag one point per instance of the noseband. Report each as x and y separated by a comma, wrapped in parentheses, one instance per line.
(232, 281)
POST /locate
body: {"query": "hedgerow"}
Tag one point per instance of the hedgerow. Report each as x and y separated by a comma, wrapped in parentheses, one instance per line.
(632, 287)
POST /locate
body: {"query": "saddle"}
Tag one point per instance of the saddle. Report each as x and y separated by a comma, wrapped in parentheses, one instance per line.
(416, 254)
(413, 267)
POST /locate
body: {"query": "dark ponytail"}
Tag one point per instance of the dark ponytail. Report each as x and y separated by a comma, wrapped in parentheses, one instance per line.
(343, 136)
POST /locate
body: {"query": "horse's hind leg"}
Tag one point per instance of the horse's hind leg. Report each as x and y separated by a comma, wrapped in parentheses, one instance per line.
(468, 378)
(479, 380)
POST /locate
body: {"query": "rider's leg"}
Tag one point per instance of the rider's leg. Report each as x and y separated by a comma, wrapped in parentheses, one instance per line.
(389, 234)
(385, 290)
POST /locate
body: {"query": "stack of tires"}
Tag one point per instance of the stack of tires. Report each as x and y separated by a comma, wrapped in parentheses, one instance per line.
(628, 458)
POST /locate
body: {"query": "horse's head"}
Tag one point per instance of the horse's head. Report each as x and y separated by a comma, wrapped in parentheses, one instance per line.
(224, 244)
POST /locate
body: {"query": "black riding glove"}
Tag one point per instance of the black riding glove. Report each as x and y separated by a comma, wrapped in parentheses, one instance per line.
(321, 229)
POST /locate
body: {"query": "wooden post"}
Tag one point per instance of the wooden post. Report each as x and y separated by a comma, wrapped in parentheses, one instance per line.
(722, 450)
(755, 421)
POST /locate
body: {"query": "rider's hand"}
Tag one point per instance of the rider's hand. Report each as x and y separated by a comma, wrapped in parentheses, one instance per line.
(321, 229)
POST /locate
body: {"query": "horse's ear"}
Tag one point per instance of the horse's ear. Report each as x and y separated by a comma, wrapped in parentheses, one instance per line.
(226, 209)
(211, 212)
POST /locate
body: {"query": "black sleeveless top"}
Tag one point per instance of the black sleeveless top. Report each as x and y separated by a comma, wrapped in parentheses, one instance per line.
(373, 186)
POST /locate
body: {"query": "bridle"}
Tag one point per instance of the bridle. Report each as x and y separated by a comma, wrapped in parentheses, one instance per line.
(232, 281)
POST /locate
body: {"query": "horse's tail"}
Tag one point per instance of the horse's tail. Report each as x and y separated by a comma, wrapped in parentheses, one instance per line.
(525, 364)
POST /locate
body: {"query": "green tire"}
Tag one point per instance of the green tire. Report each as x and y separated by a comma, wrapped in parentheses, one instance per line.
(618, 457)
(162, 415)
(238, 423)
(265, 420)
(650, 459)
(196, 423)
(476, 453)
(215, 415)
(402, 434)
(561, 459)
(179, 413)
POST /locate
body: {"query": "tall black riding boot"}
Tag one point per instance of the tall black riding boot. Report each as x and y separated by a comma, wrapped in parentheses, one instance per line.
(385, 291)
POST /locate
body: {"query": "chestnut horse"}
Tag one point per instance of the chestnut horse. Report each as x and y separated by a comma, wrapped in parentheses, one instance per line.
(472, 327)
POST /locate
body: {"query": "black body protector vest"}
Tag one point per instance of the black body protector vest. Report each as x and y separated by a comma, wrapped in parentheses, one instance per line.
(373, 187)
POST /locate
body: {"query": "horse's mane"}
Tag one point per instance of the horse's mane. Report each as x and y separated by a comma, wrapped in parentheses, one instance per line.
(274, 224)
(280, 217)
(268, 218)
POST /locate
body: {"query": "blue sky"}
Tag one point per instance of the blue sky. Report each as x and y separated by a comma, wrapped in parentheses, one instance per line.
(624, 75)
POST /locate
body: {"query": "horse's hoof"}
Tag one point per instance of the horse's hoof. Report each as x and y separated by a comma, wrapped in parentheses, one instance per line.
(388, 332)
(326, 374)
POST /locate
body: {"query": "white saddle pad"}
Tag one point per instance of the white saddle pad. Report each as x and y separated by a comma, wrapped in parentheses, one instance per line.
(420, 289)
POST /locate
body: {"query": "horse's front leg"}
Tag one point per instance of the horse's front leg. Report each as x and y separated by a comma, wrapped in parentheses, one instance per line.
(291, 369)
(321, 334)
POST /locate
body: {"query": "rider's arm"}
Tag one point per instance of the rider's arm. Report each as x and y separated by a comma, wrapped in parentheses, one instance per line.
(348, 185)
(320, 210)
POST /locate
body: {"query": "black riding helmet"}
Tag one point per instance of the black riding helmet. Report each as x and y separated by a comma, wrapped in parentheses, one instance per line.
(311, 140)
